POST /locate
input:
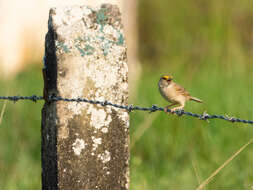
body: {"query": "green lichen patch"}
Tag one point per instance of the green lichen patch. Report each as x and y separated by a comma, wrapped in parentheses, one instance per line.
(63, 47)
(120, 41)
(81, 44)
(101, 16)
(89, 49)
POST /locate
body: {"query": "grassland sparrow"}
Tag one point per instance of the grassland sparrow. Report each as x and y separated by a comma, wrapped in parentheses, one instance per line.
(174, 93)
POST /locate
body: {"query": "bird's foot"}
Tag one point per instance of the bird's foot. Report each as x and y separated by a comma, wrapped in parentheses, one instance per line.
(171, 111)
(176, 110)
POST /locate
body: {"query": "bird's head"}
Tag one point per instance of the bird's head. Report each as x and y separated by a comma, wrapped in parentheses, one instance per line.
(165, 80)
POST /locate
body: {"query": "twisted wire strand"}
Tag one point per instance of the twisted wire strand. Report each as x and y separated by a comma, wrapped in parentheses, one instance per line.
(130, 108)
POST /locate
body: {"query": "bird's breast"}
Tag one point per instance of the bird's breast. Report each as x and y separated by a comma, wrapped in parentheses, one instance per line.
(170, 94)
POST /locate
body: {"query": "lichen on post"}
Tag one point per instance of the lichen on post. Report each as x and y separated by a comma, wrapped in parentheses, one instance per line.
(85, 146)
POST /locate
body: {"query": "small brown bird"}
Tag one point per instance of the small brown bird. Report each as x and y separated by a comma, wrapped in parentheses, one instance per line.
(174, 93)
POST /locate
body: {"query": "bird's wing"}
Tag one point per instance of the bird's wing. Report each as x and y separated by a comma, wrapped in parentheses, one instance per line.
(181, 90)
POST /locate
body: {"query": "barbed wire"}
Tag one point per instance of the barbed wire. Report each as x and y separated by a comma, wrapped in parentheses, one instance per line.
(130, 108)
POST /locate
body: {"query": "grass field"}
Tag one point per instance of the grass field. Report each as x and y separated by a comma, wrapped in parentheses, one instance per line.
(208, 48)
(179, 152)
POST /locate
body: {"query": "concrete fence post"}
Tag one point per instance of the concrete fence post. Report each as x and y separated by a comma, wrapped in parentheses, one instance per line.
(85, 146)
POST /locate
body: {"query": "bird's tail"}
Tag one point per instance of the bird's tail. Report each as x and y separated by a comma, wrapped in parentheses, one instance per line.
(196, 99)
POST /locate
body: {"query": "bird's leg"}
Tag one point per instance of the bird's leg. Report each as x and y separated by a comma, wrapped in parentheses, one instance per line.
(166, 108)
(182, 104)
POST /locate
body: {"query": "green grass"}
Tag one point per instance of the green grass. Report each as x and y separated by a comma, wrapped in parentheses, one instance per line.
(164, 156)
(207, 46)
(20, 133)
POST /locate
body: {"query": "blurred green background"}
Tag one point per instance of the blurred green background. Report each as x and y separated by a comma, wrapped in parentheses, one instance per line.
(208, 47)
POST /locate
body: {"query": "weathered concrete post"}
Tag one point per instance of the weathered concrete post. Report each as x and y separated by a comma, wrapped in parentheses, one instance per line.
(85, 146)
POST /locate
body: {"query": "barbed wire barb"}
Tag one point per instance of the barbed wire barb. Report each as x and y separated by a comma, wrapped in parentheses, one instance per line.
(129, 108)
(205, 116)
